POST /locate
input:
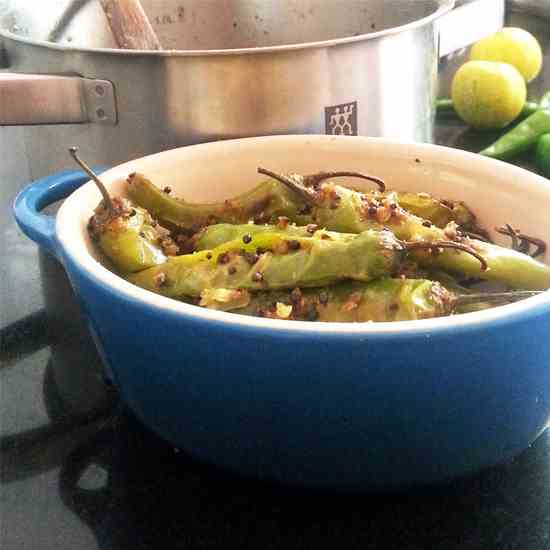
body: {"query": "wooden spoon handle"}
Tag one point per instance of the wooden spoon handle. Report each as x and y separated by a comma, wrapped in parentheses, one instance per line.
(130, 25)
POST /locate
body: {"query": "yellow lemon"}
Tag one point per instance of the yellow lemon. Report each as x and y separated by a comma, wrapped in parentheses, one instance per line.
(511, 45)
(487, 94)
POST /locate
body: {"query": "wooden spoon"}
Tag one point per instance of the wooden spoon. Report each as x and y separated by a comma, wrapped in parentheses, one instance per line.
(130, 25)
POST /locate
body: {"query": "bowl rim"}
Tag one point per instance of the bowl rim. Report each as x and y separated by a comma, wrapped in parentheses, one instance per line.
(80, 258)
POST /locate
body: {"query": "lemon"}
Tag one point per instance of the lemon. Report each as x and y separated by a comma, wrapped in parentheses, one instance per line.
(487, 94)
(511, 45)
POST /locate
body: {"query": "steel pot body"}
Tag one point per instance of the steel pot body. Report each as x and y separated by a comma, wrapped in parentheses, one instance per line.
(253, 68)
(360, 406)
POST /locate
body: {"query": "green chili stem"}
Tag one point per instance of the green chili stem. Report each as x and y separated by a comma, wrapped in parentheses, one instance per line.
(434, 245)
(521, 242)
(311, 180)
(302, 184)
(106, 197)
(289, 181)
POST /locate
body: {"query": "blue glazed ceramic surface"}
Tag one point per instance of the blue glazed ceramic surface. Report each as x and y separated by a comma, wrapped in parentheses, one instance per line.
(321, 406)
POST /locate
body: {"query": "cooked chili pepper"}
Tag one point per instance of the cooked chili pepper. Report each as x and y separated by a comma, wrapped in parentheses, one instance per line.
(262, 204)
(382, 300)
(439, 212)
(423, 205)
(268, 261)
(126, 233)
(127, 237)
(270, 200)
(354, 213)
(263, 199)
(514, 269)
(220, 233)
(273, 260)
(521, 137)
(343, 209)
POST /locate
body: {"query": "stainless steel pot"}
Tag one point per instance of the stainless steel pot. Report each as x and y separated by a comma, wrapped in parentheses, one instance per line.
(230, 69)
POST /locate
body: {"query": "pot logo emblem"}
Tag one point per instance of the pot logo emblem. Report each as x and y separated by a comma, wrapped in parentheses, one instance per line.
(341, 120)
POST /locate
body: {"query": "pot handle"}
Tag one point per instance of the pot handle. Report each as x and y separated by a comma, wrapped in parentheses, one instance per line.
(55, 99)
(36, 196)
(468, 22)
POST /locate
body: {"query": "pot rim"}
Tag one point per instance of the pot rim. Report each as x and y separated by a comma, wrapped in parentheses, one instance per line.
(444, 7)
(525, 309)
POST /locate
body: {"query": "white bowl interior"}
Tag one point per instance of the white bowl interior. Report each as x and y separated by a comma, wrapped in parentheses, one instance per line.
(497, 192)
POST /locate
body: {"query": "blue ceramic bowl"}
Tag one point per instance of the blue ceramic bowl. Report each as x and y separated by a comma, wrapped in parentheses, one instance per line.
(327, 405)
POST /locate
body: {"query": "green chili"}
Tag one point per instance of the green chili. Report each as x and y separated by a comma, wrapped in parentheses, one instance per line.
(273, 261)
(126, 233)
(127, 236)
(381, 300)
(507, 266)
(542, 152)
(439, 212)
(260, 203)
(445, 108)
(218, 234)
(542, 155)
(521, 137)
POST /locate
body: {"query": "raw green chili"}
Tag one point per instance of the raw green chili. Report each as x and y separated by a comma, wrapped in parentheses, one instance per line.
(521, 137)
(542, 155)
(542, 152)
(445, 108)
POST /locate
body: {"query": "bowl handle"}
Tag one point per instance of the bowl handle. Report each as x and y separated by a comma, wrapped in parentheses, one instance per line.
(37, 195)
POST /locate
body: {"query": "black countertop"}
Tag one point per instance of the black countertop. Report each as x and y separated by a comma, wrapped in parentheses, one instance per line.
(79, 472)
